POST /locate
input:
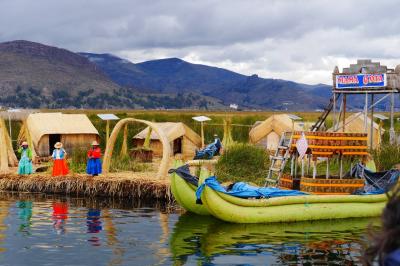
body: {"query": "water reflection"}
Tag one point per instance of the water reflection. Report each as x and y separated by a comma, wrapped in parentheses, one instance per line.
(94, 225)
(320, 242)
(60, 216)
(24, 215)
(93, 231)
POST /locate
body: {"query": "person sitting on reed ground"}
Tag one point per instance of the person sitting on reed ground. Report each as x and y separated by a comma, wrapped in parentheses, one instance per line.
(94, 163)
(25, 163)
(385, 247)
(60, 167)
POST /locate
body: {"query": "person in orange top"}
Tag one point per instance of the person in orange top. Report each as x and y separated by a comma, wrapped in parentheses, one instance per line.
(94, 163)
(60, 167)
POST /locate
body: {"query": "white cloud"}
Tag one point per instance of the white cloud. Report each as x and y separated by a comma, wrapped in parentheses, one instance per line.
(292, 39)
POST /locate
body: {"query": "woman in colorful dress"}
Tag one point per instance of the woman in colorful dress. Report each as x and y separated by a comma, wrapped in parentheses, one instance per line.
(25, 163)
(94, 163)
(60, 167)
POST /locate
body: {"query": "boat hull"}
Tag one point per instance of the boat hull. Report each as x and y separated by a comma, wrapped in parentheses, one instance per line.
(185, 194)
(291, 209)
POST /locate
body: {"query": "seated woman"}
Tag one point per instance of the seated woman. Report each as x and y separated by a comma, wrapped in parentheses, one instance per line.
(25, 163)
(94, 163)
(60, 167)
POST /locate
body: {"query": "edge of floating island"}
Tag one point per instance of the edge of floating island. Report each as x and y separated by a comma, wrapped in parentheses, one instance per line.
(125, 185)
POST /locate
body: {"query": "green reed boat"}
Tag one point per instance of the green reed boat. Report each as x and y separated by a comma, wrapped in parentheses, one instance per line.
(185, 193)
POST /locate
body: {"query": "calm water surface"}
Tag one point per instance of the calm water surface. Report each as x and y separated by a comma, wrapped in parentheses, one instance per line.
(37, 229)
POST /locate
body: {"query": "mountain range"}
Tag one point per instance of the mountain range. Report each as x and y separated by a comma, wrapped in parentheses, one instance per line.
(35, 75)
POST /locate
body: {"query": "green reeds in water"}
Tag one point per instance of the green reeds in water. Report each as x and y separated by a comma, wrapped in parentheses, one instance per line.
(243, 162)
(386, 157)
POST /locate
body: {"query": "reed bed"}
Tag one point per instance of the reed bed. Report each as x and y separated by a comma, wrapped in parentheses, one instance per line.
(140, 187)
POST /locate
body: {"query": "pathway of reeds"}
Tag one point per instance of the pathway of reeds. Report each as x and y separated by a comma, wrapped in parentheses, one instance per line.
(122, 185)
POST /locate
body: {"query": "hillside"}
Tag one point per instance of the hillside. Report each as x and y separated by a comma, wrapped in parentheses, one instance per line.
(177, 76)
(33, 75)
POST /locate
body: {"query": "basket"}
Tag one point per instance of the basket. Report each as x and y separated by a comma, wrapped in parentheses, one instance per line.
(321, 185)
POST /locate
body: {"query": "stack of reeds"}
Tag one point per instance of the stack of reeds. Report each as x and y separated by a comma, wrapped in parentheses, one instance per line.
(108, 186)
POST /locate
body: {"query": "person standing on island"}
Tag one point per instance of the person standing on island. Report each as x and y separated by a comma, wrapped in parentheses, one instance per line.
(94, 163)
(60, 167)
(25, 162)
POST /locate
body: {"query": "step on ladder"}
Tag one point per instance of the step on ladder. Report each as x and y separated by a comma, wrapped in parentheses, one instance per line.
(281, 155)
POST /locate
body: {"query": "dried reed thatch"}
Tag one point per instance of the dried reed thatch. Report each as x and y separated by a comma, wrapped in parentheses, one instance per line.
(108, 186)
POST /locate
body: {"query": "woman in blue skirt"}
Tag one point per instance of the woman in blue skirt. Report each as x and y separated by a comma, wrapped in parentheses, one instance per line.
(25, 163)
(94, 163)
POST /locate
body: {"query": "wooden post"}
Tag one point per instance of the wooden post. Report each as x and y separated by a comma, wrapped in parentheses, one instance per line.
(372, 123)
(344, 112)
(124, 148)
(334, 111)
(341, 166)
(314, 169)
(366, 114)
(327, 168)
(308, 164)
(107, 132)
(302, 166)
(295, 165)
(202, 134)
(391, 130)
(292, 165)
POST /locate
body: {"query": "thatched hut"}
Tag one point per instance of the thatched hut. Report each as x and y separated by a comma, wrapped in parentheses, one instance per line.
(268, 132)
(356, 124)
(183, 140)
(45, 129)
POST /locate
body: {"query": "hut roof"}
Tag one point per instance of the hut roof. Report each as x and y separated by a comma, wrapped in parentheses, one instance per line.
(41, 124)
(173, 131)
(278, 123)
(356, 124)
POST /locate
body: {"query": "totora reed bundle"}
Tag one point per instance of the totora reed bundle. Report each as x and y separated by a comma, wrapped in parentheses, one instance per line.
(104, 186)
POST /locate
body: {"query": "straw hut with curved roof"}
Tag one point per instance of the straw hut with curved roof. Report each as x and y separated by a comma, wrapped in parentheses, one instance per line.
(43, 130)
(268, 132)
(183, 140)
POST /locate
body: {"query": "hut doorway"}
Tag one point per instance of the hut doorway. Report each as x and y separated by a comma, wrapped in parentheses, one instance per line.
(53, 139)
(177, 146)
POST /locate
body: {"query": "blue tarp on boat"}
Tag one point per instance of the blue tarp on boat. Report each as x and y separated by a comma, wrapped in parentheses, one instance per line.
(375, 182)
(209, 151)
(244, 190)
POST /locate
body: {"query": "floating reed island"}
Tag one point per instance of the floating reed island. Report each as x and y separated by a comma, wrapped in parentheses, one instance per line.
(122, 185)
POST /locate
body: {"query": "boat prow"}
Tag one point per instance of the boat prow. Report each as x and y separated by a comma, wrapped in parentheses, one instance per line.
(185, 194)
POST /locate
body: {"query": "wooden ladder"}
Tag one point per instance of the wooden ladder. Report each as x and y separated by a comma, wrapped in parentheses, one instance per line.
(282, 154)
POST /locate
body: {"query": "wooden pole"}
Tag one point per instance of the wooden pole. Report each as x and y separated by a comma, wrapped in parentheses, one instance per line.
(391, 130)
(334, 111)
(371, 142)
(302, 167)
(366, 114)
(327, 168)
(202, 134)
(344, 112)
(107, 132)
(341, 166)
(314, 169)
(292, 165)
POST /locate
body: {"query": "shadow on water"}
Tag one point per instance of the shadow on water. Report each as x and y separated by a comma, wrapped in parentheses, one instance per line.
(209, 241)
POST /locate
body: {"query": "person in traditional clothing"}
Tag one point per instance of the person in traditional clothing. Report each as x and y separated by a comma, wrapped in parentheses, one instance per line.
(25, 163)
(60, 167)
(94, 163)
(218, 144)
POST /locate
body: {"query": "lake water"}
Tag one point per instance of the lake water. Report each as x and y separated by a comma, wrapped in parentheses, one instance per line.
(38, 229)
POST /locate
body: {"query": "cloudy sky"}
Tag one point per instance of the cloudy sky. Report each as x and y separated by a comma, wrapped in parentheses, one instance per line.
(293, 40)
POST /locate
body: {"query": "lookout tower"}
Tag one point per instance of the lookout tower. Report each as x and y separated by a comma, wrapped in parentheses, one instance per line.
(377, 82)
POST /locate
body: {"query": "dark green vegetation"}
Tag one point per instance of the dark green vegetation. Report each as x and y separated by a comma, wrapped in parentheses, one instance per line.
(243, 162)
(386, 157)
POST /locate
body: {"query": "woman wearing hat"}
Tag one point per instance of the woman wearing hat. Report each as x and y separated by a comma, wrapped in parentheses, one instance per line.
(25, 163)
(94, 163)
(60, 167)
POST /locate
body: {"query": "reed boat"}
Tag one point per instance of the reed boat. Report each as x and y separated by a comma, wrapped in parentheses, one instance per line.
(185, 193)
(291, 208)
